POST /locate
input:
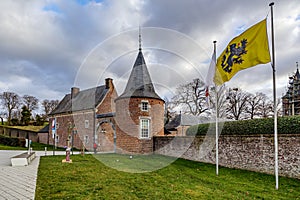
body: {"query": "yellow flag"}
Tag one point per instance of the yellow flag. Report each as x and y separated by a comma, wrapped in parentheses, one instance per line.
(246, 50)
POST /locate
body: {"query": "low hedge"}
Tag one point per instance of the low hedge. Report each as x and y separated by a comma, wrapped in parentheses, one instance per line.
(14, 142)
(285, 125)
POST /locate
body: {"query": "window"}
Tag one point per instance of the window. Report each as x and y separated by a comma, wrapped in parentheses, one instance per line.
(86, 139)
(86, 123)
(144, 128)
(56, 139)
(145, 106)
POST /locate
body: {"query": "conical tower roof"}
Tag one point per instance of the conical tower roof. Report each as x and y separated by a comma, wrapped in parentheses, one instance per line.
(297, 75)
(139, 83)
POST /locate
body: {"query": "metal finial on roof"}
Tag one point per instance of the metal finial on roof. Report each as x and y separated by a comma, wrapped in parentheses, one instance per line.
(297, 65)
(139, 83)
(140, 39)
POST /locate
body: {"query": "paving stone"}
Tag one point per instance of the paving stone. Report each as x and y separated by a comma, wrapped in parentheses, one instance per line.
(19, 182)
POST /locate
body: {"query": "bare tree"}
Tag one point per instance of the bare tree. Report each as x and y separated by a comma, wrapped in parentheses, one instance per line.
(279, 107)
(265, 109)
(2, 116)
(10, 102)
(49, 106)
(190, 97)
(254, 104)
(169, 113)
(218, 93)
(268, 109)
(30, 102)
(237, 102)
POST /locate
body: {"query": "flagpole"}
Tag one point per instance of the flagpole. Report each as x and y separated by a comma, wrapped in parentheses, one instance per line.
(217, 115)
(274, 99)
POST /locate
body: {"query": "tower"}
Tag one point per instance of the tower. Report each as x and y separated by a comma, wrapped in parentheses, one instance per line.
(139, 111)
(291, 100)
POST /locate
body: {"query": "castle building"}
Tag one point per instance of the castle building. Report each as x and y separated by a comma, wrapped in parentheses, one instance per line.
(291, 100)
(74, 119)
(100, 120)
(139, 111)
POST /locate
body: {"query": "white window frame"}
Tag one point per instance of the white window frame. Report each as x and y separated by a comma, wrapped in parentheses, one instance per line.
(144, 135)
(56, 125)
(86, 139)
(86, 123)
(56, 139)
(143, 107)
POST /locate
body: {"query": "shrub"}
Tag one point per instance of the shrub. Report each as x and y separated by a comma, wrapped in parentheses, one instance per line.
(15, 142)
(14, 122)
(38, 121)
(285, 125)
(200, 129)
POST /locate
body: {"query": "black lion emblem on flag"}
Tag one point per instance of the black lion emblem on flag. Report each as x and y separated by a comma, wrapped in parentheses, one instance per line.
(233, 55)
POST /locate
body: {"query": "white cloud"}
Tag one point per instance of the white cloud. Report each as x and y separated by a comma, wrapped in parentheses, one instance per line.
(44, 43)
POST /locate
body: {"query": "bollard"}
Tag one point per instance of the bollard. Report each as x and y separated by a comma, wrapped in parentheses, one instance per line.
(68, 155)
(68, 149)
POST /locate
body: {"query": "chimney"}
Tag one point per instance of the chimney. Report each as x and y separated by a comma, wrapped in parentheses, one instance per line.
(74, 91)
(108, 83)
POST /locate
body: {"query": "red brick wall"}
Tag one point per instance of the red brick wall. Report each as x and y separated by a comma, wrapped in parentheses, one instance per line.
(128, 113)
(33, 136)
(43, 138)
(83, 130)
(77, 120)
(105, 139)
(108, 103)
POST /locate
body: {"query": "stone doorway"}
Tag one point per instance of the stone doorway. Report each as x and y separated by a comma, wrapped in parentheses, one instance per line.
(106, 137)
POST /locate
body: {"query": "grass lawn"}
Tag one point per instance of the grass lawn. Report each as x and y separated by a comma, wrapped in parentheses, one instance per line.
(35, 147)
(87, 178)
(4, 147)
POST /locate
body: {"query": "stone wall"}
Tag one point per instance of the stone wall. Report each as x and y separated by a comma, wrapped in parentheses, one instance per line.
(255, 152)
(17, 133)
(45, 138)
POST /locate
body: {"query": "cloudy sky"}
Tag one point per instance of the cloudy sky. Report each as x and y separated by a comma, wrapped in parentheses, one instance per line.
(49, 46)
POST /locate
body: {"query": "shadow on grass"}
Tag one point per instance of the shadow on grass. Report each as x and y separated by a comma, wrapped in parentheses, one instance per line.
(88, 178)
(135, 163)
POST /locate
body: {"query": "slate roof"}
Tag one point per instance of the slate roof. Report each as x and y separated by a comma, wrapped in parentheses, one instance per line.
(83, 100)
(45, 129)
(184, 120)
(139, 83)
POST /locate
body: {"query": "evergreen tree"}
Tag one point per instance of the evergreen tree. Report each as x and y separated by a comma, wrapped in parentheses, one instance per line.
(39, 120)
(25, 116)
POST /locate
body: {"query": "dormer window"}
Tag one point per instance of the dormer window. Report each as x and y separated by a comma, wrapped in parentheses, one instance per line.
(145, 106)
